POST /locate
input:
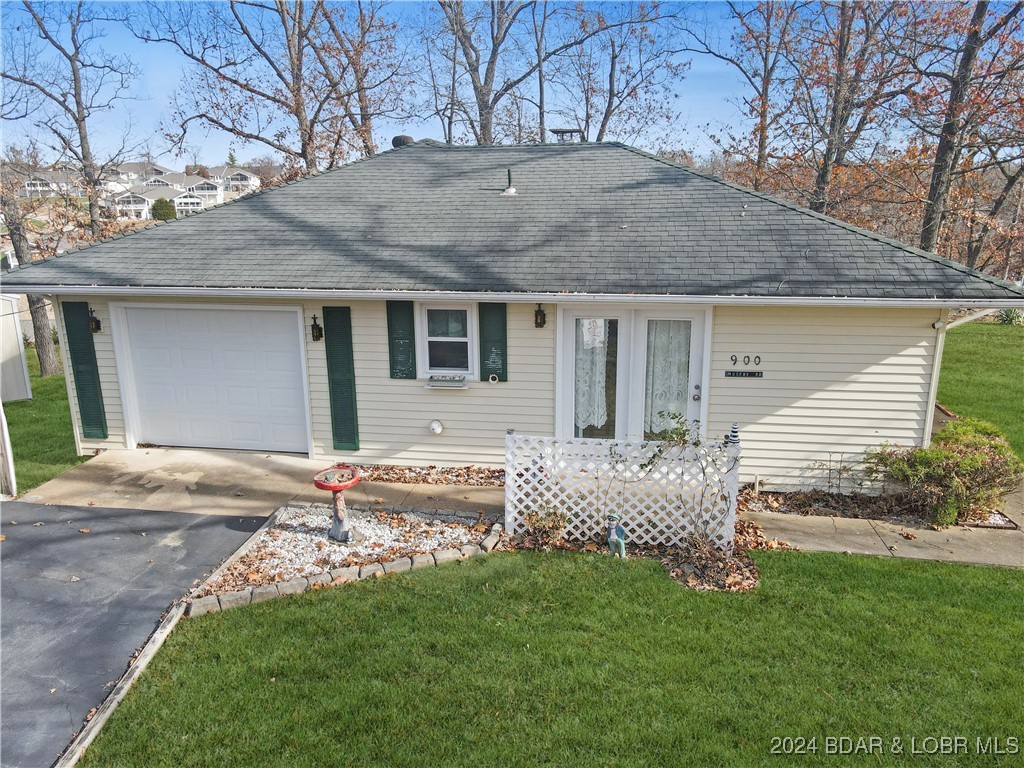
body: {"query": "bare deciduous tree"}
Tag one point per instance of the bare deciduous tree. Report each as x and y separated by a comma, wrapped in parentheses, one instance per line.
(304, 78)
(58, 75)
(498, 51)
(973, 65)
(757, 49)
(17, 213)
(849, 67)
(372, 80)
(621, 82)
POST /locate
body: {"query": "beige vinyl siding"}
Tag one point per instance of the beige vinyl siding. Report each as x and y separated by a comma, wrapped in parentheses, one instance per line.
(835, 382)
(109, 384)
(394, 414)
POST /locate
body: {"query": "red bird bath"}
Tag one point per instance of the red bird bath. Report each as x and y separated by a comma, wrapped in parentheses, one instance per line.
(337, 480)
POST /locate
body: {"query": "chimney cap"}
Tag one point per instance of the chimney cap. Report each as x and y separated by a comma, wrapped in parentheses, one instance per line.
(565, 135)
(401, 141)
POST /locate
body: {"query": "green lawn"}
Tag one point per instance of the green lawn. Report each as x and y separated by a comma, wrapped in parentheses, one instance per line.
(42, 439)
(983, 376)
(529, 659)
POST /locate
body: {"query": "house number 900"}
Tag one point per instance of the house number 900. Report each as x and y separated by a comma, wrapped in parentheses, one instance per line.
(746, 359)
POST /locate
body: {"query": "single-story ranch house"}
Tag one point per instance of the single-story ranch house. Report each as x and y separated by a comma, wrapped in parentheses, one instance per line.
(412, 307)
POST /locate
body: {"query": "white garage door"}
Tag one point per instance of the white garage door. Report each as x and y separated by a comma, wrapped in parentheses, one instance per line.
(218, 378)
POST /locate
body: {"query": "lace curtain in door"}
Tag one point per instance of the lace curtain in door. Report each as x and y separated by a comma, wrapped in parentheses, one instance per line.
(591, 371)
(668, 373)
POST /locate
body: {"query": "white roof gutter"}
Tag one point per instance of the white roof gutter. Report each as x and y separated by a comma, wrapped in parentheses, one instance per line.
(512, 296)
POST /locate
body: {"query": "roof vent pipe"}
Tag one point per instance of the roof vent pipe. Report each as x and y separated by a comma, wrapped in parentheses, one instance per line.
(509, 190)
(401, 141)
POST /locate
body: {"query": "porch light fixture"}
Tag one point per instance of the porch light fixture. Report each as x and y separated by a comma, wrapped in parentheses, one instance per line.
(436, 427)
(316, 331)
(540, 317)
(94, 322)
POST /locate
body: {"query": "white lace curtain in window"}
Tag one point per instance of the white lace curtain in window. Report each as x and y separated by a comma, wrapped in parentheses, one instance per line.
(591, 371)
(668, 372)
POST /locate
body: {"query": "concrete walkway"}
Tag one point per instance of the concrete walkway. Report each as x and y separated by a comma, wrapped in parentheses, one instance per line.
(241, 483)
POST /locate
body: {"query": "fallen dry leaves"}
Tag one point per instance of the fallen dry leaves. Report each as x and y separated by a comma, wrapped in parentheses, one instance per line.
(696, 564)
(892, 507)
(431, 475)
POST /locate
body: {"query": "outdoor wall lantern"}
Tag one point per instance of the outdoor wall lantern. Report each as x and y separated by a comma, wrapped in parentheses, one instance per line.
(316, 330)
(540, 318)
(94, 322)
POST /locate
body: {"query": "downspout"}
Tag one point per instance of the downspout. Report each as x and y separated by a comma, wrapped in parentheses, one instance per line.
(972, 317)
(933, 388)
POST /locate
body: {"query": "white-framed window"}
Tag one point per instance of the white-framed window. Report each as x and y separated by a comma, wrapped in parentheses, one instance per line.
(446, 339)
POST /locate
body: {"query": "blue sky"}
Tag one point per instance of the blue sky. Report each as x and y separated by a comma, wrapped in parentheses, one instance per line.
(706, 95)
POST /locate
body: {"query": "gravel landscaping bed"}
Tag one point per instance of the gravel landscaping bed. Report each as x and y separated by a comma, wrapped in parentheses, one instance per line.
(298, 545)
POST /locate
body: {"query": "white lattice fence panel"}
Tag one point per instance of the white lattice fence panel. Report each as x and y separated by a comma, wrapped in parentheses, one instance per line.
(661, 498)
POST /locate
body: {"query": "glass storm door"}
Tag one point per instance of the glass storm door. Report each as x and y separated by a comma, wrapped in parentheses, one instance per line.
(667, 398)
(595, 377)
(629, 374)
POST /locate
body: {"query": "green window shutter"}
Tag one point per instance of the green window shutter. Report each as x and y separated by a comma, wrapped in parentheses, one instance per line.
(83, 367)
(493, 342)
(341, 377)
(402, 340)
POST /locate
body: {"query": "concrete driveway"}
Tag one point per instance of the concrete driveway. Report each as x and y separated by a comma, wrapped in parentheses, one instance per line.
(76, 606)
(182, 480)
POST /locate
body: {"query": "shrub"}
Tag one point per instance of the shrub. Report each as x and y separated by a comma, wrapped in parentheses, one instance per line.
(1010, 316)
(547, 525)
(968, 467)
(164, 210)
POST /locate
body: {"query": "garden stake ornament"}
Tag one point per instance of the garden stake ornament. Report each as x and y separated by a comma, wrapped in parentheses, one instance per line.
(616, 536)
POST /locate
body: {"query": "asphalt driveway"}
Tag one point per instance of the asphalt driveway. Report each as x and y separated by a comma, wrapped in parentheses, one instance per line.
(79, 594)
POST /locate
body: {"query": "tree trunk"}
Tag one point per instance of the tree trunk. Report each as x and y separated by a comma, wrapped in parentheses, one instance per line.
(947, 153)
(976, 244)
(838, 114)
(49, 365)
(606, 117)
(541, 81)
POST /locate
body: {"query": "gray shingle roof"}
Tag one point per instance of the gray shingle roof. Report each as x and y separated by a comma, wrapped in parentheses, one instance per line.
(589, 218)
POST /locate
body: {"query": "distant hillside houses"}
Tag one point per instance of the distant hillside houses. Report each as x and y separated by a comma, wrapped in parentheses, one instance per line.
(130, 189)
(134, 187)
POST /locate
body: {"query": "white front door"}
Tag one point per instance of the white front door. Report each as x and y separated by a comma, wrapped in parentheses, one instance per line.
(216, 378)
(628, 374)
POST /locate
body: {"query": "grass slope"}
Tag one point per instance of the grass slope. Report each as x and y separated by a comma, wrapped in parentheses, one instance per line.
(42, 439)
(527, 659)
(983, 376)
